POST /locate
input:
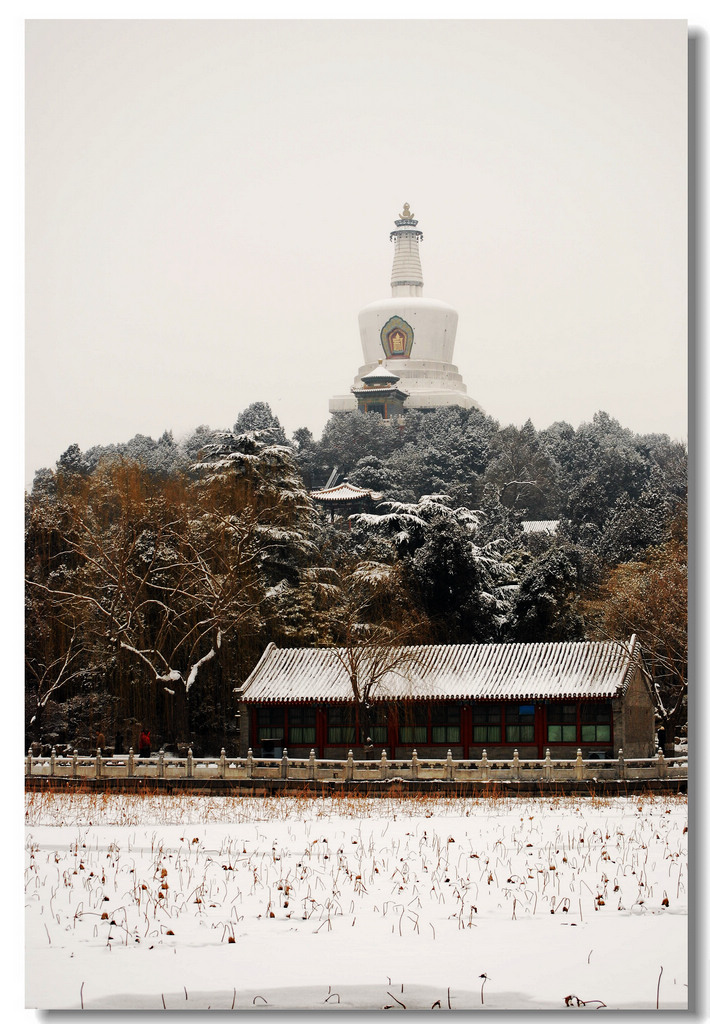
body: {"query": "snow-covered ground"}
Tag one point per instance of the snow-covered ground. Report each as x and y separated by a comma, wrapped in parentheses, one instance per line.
(196, 903)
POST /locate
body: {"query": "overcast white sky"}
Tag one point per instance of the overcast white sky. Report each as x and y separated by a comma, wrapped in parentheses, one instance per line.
(209, 206)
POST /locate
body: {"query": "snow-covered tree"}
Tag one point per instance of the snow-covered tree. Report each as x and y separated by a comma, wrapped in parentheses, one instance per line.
(525, 472)
(633, 526)
(649, 597)
(258, 416)
(72, 461)
(167, 575)
(464, 586)
(545, 603)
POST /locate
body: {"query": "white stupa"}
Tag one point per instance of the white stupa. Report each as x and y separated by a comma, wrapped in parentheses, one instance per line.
(415, 336)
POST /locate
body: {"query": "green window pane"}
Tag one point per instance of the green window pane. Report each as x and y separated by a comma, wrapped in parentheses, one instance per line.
(604, 734)
(270, 723)
(268, 733)
(569, 733)
(340, 734)
(412, 734)
(520, 733)
(589, 733)
(486, 734)
(554, 734)
(445, 734)
(301, 734)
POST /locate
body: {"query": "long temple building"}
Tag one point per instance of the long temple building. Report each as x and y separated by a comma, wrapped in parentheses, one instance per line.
(408, 335)
(466, 698)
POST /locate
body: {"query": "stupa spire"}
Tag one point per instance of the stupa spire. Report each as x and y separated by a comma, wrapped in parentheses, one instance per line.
(406, 266)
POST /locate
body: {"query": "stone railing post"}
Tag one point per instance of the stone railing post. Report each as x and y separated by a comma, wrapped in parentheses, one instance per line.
(131, 763)
(250, 764)
(661, 765)
(484, 765)
(547, 770)
(28, 762)
(222, 764)
(516, 765)
(98, 763)
(383, 765)
(349, 767)
(449, 766)
(312, 764)
(53, 761)
(579, 765)
(161, 764)
(75, 764)
(284, 764)
(621, 765)
(189, 766)
(415, 765)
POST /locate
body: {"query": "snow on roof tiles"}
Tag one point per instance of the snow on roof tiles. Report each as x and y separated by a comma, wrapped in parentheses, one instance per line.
(518, 671)
(382, 373)
(344, 492)
(540, 525)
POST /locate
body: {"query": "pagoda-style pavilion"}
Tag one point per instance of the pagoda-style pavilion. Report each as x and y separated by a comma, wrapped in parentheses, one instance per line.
(380, 393)
(346, 499)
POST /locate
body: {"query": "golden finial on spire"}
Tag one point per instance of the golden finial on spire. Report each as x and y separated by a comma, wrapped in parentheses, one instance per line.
(406, 213)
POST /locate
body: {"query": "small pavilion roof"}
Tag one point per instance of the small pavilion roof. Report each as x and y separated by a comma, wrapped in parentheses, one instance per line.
(380, 375)
(345, 491)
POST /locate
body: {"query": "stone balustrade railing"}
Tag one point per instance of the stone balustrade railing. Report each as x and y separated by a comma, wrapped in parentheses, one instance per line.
(486, 769)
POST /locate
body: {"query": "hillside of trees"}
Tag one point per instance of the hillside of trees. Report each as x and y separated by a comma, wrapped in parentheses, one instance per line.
(157, 571)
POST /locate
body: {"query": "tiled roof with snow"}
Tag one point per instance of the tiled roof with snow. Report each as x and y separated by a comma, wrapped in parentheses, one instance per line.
(345, 492)
(380, 373)
(540, 525)
(458, 672)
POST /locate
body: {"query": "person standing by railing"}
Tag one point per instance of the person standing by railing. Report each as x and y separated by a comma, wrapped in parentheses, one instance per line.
(144, 743)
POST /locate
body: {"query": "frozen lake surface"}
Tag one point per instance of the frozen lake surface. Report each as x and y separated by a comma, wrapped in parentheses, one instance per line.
(197, 902)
